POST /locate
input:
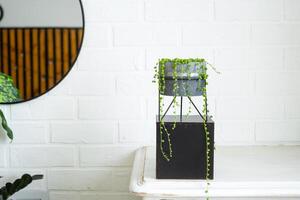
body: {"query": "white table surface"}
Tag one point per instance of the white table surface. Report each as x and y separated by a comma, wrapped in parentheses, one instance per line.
(239, 172)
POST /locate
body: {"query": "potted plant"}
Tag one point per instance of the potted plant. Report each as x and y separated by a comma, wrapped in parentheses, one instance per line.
(11, 188)
(185, 143)
(8, 94)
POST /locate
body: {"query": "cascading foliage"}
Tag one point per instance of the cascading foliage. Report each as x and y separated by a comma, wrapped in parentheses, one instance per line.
(202, 83)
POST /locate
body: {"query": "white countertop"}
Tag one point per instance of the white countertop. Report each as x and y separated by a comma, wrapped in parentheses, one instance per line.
(239, 172)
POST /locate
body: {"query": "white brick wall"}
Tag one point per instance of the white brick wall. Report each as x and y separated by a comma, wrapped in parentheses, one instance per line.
(42, 156)
(215, 34)
(137, 34)
(30, 132)
(80, 179)
(291, 9)
(169, 10)
(276, 34)
(106, 156)
(82, 135)
(243, 10)
(71, 132)
(3, 157)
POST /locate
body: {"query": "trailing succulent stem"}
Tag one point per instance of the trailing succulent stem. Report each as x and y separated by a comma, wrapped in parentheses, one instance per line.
(160, 71)
(183, 66)
(206, 132)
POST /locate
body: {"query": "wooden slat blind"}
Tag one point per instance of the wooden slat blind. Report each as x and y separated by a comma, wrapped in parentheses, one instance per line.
(38, 58)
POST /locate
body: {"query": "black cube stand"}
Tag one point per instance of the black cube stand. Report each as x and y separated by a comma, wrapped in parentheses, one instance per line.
(188, 140)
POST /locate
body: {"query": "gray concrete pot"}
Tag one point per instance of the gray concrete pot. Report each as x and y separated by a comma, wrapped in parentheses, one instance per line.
(186, 86)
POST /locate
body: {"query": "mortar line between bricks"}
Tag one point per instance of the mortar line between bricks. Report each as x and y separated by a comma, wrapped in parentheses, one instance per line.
(283, 9)
(214, 11)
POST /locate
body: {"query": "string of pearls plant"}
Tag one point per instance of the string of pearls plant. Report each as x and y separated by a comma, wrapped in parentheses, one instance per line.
(183, 66)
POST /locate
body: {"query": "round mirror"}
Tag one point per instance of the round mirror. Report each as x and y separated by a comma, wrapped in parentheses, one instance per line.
(39, 42)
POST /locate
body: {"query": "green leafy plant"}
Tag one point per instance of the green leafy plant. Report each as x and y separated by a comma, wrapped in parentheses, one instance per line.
(183, 66)
(8, 92)
(5, 127)
(11, 188)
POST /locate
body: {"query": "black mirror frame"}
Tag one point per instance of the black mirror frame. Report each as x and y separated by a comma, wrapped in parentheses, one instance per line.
(1, 13)
(83, 34)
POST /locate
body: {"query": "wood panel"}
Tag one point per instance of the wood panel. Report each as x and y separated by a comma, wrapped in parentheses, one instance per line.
(38, 58)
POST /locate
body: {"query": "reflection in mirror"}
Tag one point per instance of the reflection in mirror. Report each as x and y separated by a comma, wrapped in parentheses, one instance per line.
(39, 43)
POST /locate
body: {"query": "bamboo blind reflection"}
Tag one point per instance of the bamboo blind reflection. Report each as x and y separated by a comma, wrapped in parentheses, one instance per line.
(38, 58)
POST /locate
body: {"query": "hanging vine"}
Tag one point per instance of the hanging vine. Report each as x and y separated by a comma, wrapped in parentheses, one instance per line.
(202, 76)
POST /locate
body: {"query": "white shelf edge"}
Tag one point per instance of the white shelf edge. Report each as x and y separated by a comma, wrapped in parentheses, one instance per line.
(165, 188)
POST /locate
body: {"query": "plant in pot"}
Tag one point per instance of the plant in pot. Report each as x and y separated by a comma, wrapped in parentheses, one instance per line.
(9, 93)
(185, 143)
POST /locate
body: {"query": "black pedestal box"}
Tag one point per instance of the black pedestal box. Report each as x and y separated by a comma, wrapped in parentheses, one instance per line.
(189, 149)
